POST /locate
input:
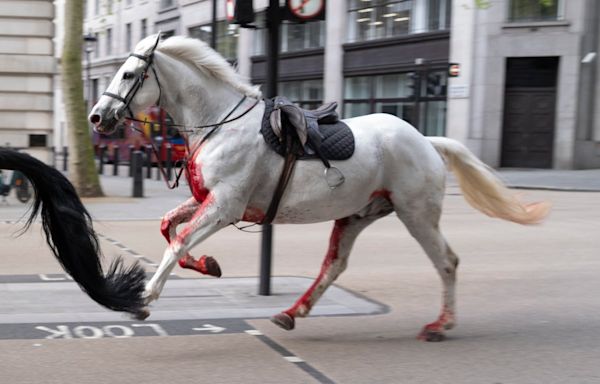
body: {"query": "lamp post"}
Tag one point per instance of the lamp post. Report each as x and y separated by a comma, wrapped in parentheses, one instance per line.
(90, 42)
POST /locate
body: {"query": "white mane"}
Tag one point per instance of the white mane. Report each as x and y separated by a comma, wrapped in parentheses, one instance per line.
(205, 59)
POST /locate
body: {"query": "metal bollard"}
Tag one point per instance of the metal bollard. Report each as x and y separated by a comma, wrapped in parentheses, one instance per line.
(116, 156)
(131, 160)
(149, 161)
(65, 158)
(137, 162)
(169, 162)
(102, 151)
(158, 164)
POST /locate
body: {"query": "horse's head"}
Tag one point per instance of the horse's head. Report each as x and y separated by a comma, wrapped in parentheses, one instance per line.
(134, 88)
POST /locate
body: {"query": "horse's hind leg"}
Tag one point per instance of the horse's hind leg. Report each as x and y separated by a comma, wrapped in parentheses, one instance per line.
(423, 224)
(342, 238)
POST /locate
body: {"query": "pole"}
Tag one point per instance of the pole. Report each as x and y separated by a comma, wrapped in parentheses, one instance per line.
(88, 78)
(138, 181)
(116, 150)
(213, 26)
(273, 23)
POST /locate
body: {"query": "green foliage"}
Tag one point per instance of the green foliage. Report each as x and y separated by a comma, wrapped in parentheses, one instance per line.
(482, 4)
(547, 3)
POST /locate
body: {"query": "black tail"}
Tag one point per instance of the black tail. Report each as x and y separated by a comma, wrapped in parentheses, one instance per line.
(70, 235)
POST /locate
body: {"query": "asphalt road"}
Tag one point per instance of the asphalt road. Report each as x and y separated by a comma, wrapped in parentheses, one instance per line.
(528, 305)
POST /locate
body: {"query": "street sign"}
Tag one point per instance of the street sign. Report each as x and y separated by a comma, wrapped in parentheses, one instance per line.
(453, 70)
(305, 10)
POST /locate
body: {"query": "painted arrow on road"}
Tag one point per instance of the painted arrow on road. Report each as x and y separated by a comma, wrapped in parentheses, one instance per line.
(210, 328)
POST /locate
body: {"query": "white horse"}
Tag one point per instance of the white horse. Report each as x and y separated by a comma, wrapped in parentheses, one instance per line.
(233, 173)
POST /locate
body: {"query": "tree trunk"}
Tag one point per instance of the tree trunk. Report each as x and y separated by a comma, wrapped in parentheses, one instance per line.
(82, 168)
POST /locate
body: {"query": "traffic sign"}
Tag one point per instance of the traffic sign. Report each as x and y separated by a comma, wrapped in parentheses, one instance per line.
(453, 70)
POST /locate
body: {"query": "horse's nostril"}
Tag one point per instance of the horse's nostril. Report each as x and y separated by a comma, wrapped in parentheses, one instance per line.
(95, 119)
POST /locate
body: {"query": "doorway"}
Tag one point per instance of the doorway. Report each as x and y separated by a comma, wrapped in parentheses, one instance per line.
(529, 112)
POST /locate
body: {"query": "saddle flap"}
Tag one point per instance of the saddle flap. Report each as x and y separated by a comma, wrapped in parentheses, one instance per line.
(326, 113)
(320, 132)
(275, 120)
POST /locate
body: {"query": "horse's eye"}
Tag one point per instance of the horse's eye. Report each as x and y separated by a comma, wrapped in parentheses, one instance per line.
(128, 75)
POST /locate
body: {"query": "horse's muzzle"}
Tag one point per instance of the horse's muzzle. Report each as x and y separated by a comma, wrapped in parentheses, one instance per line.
(103, 126)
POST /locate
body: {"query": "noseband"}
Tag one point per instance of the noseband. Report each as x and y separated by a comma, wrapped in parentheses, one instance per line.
(139, 82)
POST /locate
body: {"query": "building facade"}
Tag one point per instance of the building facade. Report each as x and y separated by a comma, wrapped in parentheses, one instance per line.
(527, 92)
(369, 56)
(525, 95)
(27, 67)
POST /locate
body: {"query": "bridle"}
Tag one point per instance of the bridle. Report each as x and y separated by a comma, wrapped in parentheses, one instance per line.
(139, 82)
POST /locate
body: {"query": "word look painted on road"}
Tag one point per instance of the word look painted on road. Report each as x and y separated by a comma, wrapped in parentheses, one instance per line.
(98, 332)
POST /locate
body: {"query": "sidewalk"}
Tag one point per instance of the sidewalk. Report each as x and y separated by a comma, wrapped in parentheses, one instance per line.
(158, 199)
(552, 179)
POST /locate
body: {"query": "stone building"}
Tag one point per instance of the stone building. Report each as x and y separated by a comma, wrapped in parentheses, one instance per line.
(525, 95)
(27, 67)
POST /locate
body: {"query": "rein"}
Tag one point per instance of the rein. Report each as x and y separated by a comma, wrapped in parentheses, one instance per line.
(215, 127)
(139, 82)
(191, 129)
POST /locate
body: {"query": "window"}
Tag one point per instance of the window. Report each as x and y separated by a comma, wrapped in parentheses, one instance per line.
(378, 19)
(128, 37)
(306, 94)
(227, 37)
(96, 7)
(97, 48)
(37, 140)
(294, 36)
(438, 14)
(533, 10)
(417, 97)
(166, 4)
(143, 28)
(109, 5)
(166, 34)
(94, 91)
(108, 48)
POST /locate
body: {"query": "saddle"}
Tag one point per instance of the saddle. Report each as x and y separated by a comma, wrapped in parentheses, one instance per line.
(296, 133)
(314, 133)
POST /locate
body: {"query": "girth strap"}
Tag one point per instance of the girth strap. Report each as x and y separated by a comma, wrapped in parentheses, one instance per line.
(286, 173)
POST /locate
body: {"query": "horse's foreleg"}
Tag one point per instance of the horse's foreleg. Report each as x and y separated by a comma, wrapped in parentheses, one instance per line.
(207, 219)
(342, 238)
(182, 214)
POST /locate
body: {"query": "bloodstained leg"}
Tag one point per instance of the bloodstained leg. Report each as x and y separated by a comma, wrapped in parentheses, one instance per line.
(446, 267)
(342, 238)
(183, 213)
(424, 228)
(208, 219)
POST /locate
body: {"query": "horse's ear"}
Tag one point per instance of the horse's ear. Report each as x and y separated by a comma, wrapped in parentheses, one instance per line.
(155, 43)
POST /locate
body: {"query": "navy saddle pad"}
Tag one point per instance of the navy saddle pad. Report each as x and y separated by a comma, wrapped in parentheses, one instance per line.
(337, 140)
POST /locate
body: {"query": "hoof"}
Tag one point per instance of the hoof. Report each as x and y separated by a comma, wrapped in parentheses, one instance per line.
(431, 335)
(206, 265)
(211, 266)
(141, 315)
(283, 320)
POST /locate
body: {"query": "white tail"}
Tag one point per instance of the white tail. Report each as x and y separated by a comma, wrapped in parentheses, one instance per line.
(483, 189)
